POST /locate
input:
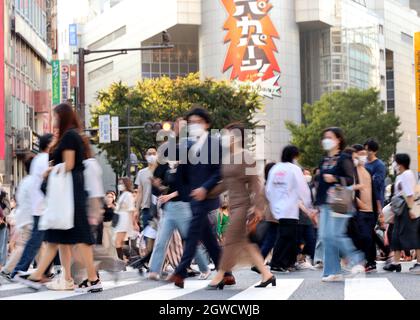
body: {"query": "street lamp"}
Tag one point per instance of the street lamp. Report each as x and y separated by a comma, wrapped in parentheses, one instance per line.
(82, 53)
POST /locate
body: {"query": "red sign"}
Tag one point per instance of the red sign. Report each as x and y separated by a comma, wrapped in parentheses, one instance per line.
(251, 53)
(2, 120)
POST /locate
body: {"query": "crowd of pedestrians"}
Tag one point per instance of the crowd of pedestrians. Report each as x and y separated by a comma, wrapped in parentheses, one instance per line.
(212, 209)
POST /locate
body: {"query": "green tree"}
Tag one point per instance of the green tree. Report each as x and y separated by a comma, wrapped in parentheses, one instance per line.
(358, 112)
(164, 99)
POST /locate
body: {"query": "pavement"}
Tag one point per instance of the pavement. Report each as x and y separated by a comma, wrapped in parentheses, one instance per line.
(299, 285)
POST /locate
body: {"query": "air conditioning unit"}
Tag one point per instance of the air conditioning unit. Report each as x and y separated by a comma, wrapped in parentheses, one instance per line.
(24, 140)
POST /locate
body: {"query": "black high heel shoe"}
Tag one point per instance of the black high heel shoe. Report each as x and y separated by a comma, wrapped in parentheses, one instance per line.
(219, 286)
(265, 284)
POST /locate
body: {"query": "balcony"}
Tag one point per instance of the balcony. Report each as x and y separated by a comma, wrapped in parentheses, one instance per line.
(315, 14)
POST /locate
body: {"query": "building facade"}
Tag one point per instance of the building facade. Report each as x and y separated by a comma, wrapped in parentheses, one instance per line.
(29, 43)
(295, 50)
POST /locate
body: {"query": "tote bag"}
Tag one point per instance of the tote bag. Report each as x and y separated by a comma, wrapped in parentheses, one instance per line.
(59, 202)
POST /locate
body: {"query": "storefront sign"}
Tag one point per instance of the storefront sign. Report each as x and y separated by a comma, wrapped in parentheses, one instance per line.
(65, 82)
(105, 129)
(73, 35)
(417, 68)
(56, 84)
(251, 53)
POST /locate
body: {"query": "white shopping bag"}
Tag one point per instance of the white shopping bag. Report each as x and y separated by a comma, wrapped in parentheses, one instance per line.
(59, 202)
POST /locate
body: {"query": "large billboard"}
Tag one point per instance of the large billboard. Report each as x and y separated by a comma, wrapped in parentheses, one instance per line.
(2, 100)
(251, 55)
(417, 62)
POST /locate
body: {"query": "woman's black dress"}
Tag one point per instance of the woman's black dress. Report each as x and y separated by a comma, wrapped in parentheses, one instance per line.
(81, 233)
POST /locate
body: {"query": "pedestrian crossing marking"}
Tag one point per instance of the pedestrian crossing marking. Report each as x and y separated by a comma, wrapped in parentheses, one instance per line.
(283, 291)
(14, 286)
(167, 292)
(370, 289)
(57, 295)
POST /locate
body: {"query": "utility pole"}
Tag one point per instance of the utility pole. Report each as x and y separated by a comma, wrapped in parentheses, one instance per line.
(82, 53)
(128, 143)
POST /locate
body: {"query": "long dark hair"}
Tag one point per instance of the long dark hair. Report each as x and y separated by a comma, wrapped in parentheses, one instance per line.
(68, 119)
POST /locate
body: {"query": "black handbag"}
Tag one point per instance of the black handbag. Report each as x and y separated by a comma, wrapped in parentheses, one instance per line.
(398, 205)
(115, 219)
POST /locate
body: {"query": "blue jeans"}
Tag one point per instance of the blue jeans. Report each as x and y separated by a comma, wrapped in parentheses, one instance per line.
(31, 249)
(3, 245)
(269, 239)
(145, 217)
(307, 236)
(333, 234)
(177, 215)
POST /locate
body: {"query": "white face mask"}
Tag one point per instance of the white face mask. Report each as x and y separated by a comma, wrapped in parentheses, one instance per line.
(356, 162)
(196, 130)
(151, 159)
(396, 167)
(121, 187)
(328, 144)
(308, 179)
(363, 160)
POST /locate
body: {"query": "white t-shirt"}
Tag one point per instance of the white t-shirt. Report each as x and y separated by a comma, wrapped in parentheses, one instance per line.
(93, 178)
(286, 187)
(143, 181)
(405, 184)
(38, 167)
(23, 214)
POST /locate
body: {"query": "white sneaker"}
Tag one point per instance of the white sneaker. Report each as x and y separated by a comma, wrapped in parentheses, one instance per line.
(358, 269)
(333, 278)
(60, 284)
(304, 266)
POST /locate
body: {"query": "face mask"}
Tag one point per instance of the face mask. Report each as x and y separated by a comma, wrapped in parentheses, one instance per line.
(121, 187)
(151, 159)
(356, 162)
(396, 167)
(195, 130)
(328, 144)
(363, 160)
(308, 179)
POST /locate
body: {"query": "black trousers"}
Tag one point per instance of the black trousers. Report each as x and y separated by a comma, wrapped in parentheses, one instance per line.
(201, 230)
(364, 240)
(285, 250)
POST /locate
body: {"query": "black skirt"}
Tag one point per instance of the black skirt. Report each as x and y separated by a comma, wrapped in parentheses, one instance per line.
(81, 233)
(406, 232)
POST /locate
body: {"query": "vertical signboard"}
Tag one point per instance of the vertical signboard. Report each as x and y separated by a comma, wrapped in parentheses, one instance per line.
(115, 129)
(105, 129)
(2, 113)
(73, 35)
(251, 56)
(56, 83)
(65, 82)
(417, 63)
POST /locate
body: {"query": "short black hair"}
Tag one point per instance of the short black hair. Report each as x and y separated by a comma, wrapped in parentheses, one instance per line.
(267, 169)
(151, 147)
(27, 163)
(358, 147)
(338, 132)
(403, 159)
(45, 141)
(289, 153)
(199, 112)
(372, 145)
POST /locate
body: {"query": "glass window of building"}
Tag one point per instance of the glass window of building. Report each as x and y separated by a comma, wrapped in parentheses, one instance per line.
(178, 61)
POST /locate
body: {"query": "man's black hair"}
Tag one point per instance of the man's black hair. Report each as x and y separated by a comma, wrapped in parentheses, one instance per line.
(290, 153)
(199, 112)
(403, 159)
(45, 141)
(372, 145)
(358, 147)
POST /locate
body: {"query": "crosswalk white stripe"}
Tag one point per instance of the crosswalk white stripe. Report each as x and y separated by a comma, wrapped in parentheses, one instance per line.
(12, 286)
(370, 289)
(167, 292)
(283, 291)
(56, 295)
